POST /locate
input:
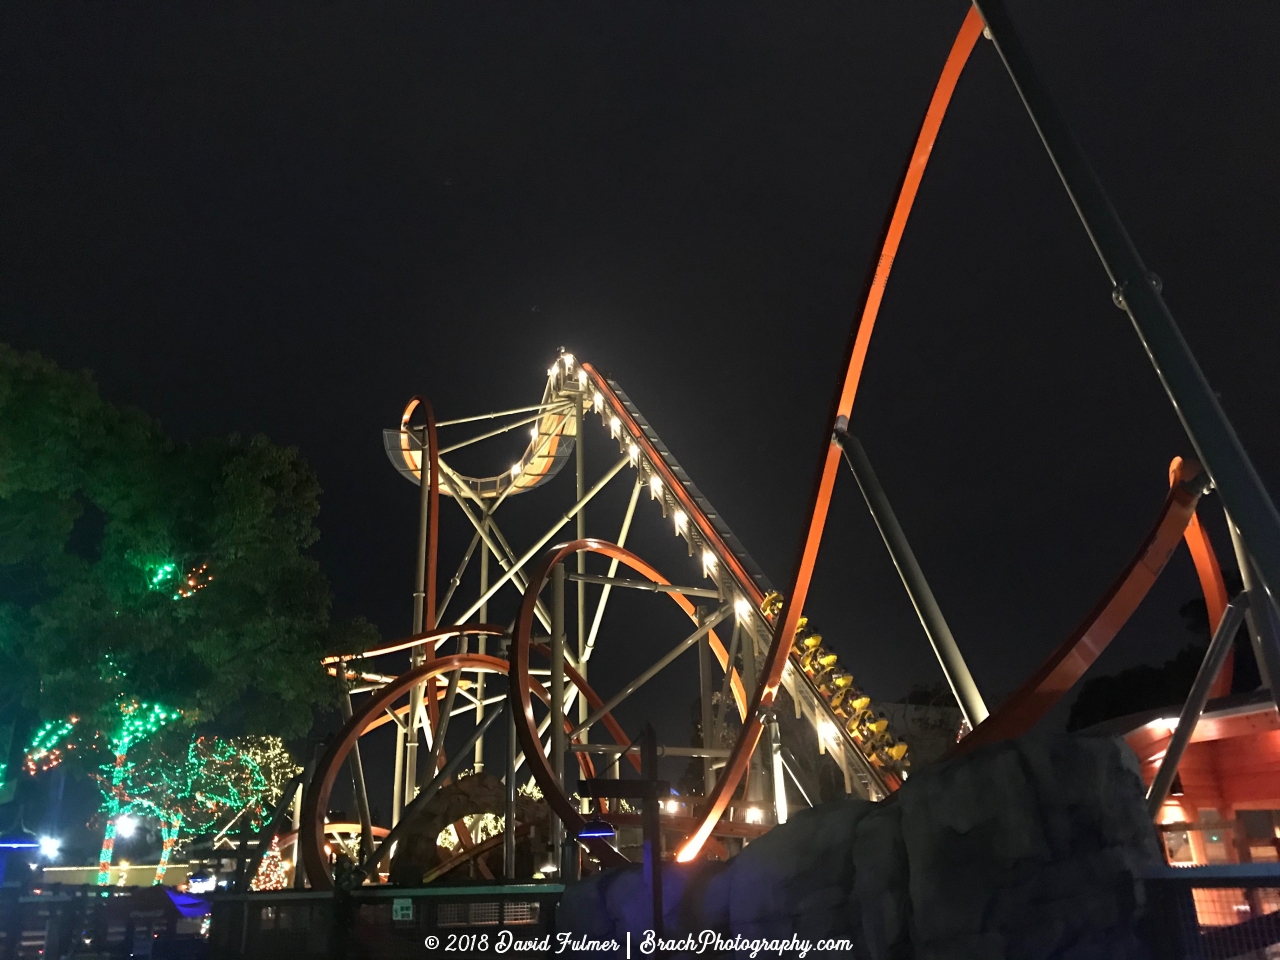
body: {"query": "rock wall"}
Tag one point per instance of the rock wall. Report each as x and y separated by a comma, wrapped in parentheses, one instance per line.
(1026, 850)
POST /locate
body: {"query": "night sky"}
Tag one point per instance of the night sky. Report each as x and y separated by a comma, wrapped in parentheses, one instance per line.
(290, 218)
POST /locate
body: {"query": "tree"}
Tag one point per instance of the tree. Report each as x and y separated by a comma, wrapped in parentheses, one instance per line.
(191, 784)
(1145, 687)
(134, 568)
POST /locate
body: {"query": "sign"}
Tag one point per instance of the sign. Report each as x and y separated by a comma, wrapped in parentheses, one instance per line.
(401, 908)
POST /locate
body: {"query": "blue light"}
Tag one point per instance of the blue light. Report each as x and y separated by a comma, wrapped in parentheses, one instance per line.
(597, 829)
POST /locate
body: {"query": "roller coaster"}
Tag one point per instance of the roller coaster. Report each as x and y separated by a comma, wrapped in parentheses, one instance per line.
(758, 659)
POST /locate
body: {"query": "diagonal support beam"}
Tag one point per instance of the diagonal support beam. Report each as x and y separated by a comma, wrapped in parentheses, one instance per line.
(613, 572)
(652, 671)
(545, 538)
(1214, 657)
(935, 624)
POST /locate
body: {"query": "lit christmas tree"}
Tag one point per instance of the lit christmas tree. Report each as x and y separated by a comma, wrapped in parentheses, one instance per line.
(272, 873)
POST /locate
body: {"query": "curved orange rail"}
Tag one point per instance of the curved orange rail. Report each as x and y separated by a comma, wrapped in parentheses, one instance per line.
(1077, 653)
(786, 622)
(373, 714)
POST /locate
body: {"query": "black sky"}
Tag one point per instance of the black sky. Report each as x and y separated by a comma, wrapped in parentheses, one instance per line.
(289, 218)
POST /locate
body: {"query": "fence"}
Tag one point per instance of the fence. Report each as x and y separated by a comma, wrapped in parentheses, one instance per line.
(373, 922)
(107, 923)
(1221, 912)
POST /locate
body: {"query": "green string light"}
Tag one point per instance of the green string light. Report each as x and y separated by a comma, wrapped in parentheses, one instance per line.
(158, 574)
(47, 747)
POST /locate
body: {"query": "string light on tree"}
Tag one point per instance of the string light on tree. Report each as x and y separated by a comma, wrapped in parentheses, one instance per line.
(48, 745)
(197, 579)
(166, 575)
(138, 721)
(159, 574)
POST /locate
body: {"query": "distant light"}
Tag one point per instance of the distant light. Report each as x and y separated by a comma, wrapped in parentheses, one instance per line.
(597, 402)
(672, 806)
(681, 520)
(50, 847)
(551, 371)
(708, 563)
(568, 362)
(655, 487)
(202, 883)
(634, 453)
(827, 730)
(126, 827)
(515, 470)
(582, 377)
(755, 815)
(614, 426)
(534, 433)
(742, 607)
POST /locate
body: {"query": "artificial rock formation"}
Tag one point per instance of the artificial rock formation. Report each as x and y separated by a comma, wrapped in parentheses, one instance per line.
(1026, 850)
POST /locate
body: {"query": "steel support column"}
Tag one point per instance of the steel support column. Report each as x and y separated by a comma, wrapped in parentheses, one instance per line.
(424, 594)
(1264, 630)
(556, 686)
(776, 771)
(580, 463)
(358, 784)
(509, 794)
(482, 648)
(1214, 657)
(706, 718)
(935, 626)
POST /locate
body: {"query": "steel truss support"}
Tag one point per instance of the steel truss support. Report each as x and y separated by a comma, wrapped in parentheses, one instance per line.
(493, 433)
(486, 529)
(541, 407)
(707, 625)
(646, 585)
(542, 541)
